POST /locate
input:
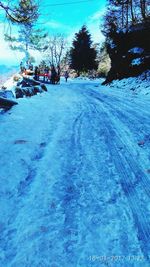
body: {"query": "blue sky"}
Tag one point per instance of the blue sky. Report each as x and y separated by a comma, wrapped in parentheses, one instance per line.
(58, 17)
(70, 17)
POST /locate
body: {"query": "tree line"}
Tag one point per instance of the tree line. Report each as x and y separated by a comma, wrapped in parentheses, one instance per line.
(122, 14)
(127, 26)
(83, 56)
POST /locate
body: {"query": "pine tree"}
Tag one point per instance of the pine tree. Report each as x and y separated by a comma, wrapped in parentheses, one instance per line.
(28, 10)
(28, 36)
(15, 11)
(126, 25)
(83, 55)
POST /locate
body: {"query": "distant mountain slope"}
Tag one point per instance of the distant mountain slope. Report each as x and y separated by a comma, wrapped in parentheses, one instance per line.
(6, 69)
(6, 72)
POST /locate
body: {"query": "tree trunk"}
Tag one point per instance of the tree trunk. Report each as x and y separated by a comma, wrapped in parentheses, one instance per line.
(122, 15)
(143, 9)
(132, 12)
(127, 14)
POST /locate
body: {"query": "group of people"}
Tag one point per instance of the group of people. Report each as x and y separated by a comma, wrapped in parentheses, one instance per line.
(52, 74)
(47, 74)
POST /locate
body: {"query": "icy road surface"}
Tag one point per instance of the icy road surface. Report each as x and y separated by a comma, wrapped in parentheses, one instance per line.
(75, 179)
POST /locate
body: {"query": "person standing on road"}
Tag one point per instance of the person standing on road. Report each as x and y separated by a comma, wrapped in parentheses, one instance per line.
(53, 74)
(36, 73)
(66, 75)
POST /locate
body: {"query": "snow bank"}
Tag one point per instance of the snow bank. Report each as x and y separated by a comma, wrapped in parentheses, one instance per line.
(136, 50)
(136, 61)
(18, 87)
(9, 85)
(6, 73)
(134, 85)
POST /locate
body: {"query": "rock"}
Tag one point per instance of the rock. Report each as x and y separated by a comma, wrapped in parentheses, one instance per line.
(19, 92)
(43, 86)
(29, 87)
(37, 89)
(31, 82)
(4, 87)
(7, 103)
(6, 94)
(28, 91)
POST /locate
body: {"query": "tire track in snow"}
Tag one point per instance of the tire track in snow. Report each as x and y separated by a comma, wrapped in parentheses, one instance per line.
(124, 144)
(124, 168)
(67, 193)
(120, 168)
(130, 103)
(93, 196)
(66, 224)
(131, 111)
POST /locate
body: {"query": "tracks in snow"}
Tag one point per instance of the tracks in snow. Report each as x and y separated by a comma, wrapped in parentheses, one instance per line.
(134, 181)
(86, 192)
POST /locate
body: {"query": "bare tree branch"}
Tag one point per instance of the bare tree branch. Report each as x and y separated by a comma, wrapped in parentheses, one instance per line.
(56, 48)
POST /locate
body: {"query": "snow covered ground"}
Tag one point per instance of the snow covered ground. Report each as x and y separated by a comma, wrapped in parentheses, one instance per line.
(75, 178)
(6, 72)
(134, 85)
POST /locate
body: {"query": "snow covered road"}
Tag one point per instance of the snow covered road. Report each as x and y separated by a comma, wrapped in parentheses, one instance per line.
(75, 179)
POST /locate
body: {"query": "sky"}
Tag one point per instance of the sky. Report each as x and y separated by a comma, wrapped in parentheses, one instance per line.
(59, 16)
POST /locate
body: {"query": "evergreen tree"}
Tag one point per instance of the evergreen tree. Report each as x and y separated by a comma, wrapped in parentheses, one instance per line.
(15, 11)
(28, 36)
(83, 55)
(27, 11)
(126, 25)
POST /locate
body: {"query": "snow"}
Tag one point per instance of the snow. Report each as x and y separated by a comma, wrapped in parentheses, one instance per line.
(136, 61)
(9, 86)
(6, 94)
(6, 73)
(112, 45)
(136, 50)
(74, 177)
(134, 85)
